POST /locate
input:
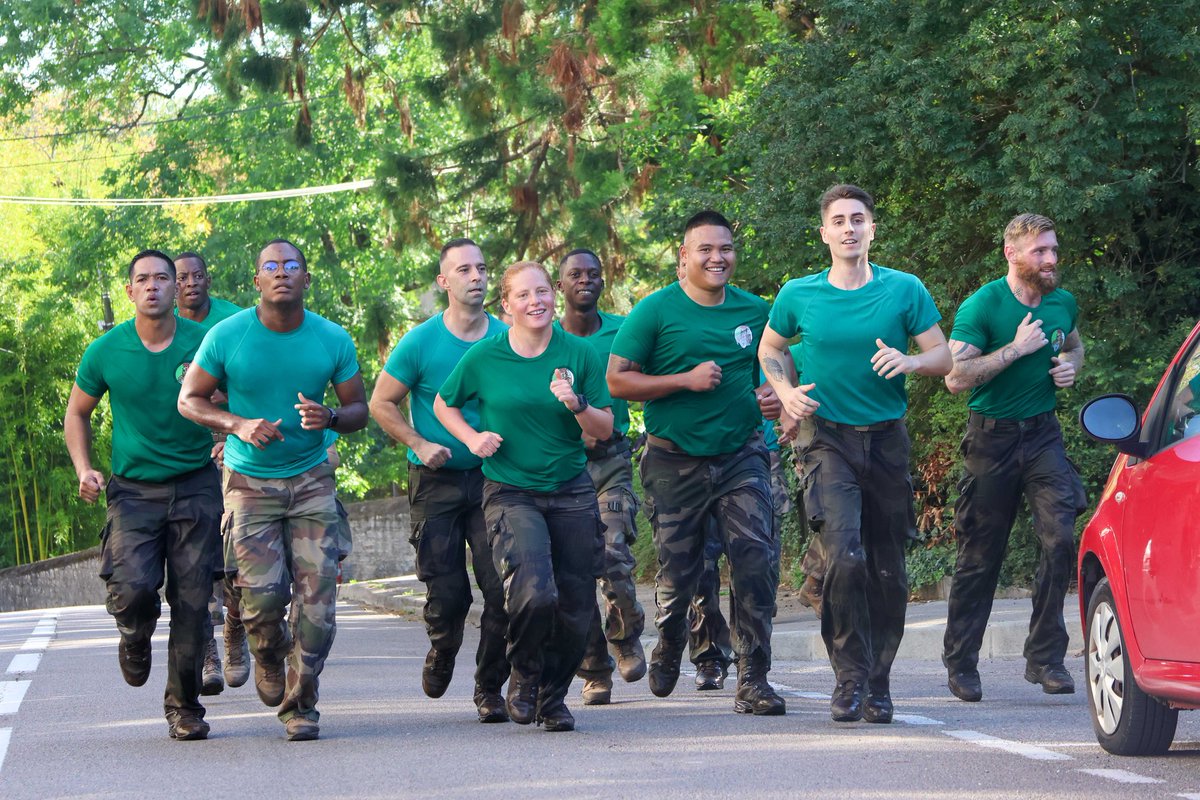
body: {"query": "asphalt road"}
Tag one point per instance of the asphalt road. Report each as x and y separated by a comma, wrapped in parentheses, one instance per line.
(70, 727)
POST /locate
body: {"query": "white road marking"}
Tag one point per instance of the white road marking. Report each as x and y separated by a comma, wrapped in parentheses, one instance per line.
(917, 719)
(1190, 796)
(11, 695)
(24, 662)
(1121, 776)
(36, 643)
(5, 735)
(1017, 748)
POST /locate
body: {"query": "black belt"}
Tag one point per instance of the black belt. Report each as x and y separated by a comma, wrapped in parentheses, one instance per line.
(991, 423)
(841, 426)
(613, 445)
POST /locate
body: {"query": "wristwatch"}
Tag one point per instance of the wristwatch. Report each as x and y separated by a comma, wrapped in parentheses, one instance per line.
(332, 418)
(583, 404)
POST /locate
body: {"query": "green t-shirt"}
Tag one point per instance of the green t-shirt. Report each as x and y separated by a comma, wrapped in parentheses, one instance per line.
(838, 329)
(151, 440)
(988, 319)
(218, 310)
(668, 333)
(602, 340)
(263, 371)
(543, 444)
(422, 361)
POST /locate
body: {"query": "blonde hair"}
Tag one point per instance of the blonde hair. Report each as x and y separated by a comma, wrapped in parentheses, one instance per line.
(1023, 225)
(513, 270)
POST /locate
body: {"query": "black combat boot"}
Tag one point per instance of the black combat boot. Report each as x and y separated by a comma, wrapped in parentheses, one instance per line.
(522, 699)
(664, 667)
(754, 694)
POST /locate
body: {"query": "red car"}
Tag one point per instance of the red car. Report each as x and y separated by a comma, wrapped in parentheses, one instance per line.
(1139, 563)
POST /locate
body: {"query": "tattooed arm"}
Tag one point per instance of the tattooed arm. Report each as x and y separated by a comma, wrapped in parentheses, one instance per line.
(780, 369)
(1068, 362)
(972, 368)
(627, 381)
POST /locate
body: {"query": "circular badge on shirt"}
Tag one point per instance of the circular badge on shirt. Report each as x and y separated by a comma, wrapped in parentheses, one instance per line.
(1057, 339)
(743, 336)
(181, 370)
(564, 374)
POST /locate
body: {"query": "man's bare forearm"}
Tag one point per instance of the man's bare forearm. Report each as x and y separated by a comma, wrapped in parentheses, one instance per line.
(970, 372)
(203, 411)
(395, 423)
(627, 383)
(778, 366)
(77, 431)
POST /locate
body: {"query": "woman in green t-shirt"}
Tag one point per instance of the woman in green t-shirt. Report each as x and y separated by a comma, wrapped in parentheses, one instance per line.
(538, 389)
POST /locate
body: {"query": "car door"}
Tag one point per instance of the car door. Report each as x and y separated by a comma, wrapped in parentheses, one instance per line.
(1161, 522)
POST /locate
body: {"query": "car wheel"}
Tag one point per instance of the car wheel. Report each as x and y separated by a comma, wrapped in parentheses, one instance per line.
(1128, 721)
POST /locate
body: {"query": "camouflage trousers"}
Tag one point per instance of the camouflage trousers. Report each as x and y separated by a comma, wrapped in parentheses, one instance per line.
(733, 490)
(709, 636)
(623, 618)
(157, 531)
(284, 534)
(859, 500)
(447, 517)
(549, 550)
(1003, 460)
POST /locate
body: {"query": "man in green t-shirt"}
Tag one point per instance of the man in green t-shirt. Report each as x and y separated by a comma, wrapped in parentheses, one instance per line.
(164, 497)
(192, 301)
(609, 464)
(277, 360)
(688, 352)
(855, 321)
(445, 483)
(1016, 343)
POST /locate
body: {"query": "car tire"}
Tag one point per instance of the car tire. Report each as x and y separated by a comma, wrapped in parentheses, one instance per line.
(1128, 722)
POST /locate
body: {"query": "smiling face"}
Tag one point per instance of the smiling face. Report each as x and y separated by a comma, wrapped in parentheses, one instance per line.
(281, 285)
(192, 283)
(1034, 258)
(707, 258)
(848, 228)
(529, 298)
(463, 276)
(151, 287)
(581, 281)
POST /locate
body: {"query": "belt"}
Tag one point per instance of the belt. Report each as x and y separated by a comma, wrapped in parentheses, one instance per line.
(614, 445)
(663, 444)
(991, 423)
(841, 426)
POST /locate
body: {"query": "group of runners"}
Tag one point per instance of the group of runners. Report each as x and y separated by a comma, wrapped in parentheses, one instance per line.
(519, 451)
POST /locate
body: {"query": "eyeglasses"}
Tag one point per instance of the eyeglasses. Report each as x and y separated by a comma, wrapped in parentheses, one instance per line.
(290, 266)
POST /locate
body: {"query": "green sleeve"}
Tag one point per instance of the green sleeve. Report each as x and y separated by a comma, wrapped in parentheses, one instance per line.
(783, 318)
(636, 337)
(970, 325)
(460, 387)
(89, 377)
(922, 312)
(595, 387)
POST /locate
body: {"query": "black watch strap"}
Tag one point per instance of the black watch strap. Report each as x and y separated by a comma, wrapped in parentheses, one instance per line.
(333, 418)
(583, 404)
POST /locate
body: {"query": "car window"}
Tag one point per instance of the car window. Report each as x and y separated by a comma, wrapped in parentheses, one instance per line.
(1182, 420)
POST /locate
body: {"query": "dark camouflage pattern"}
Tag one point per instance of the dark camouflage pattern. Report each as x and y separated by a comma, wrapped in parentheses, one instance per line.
(623, 618)
(683, 493)
(858, 497)
(447, 517)
(549, 550)
(1001, 465)
(709, 637)
(284, 533)
(164, 530)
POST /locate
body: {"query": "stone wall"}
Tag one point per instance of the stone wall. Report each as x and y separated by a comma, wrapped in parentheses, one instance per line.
(381, 550)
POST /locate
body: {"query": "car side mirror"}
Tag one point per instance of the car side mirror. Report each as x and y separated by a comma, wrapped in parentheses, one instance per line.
(1114, 419)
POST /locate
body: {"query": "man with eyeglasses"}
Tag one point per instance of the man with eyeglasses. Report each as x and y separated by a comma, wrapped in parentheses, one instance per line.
(192, 301)
(277, 360)
(445, 481)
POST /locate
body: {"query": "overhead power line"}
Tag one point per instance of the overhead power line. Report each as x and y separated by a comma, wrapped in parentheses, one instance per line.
(245, 197)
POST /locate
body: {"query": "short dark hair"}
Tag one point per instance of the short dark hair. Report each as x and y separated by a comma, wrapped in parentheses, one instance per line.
(460, 241)
(151, 254)
(195, 255)
(580, 251)
(846, 191)
(299, 252)
(707, 217)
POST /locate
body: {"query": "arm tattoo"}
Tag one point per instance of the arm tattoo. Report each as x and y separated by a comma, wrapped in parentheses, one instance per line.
(962, 349)
(1008, 354)
(773, 368)
(619, 364)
